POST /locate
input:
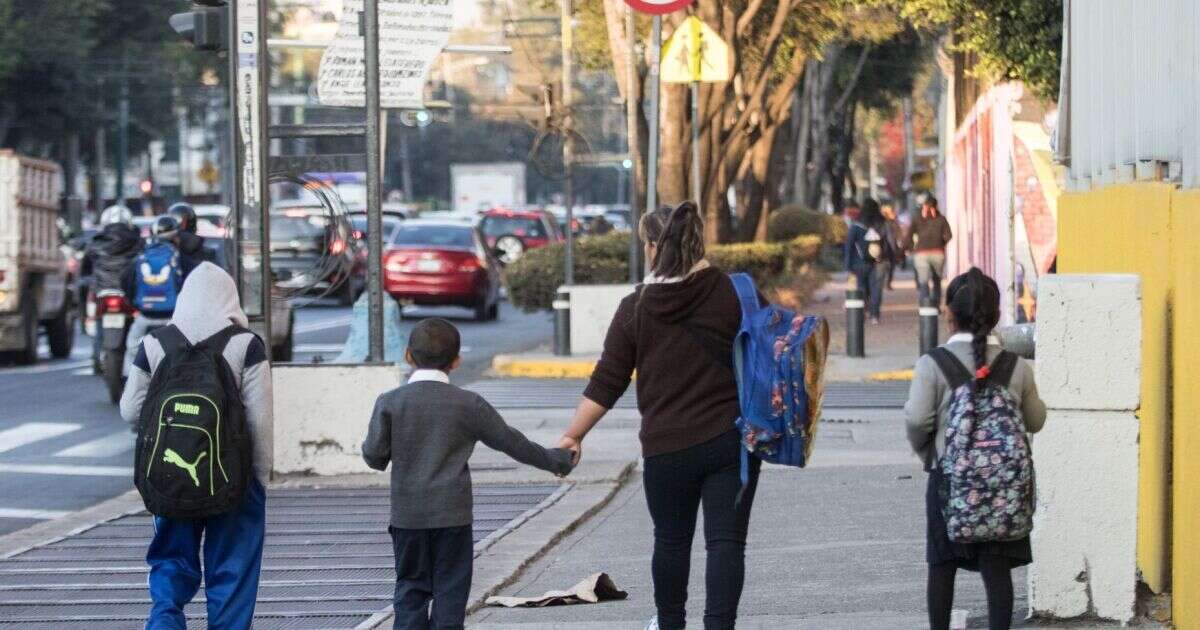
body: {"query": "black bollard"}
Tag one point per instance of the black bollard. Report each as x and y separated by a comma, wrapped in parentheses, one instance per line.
(562, 322)
(855, 314)
(928, 314)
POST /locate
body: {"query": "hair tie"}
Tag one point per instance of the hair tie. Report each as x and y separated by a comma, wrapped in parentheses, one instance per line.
(983, 372)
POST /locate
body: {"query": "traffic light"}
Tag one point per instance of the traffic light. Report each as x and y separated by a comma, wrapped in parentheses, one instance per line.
(206, 26)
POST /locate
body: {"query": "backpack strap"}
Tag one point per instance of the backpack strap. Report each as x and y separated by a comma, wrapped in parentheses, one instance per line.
(747, 294)
(219, 340)
(1002, 369)
(955, 372)
(171, 339)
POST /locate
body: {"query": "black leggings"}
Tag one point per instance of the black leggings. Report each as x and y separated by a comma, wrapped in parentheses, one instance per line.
(676, 485)
(997, 581)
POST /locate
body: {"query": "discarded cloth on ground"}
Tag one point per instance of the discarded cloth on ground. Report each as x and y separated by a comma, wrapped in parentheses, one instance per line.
(595, 588)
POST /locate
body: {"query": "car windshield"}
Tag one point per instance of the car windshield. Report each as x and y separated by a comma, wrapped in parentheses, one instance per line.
(433, 236)
(524, 227)
(287, 228)
(359, 223)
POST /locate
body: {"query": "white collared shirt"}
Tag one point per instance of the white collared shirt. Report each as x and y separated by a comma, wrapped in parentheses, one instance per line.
(968, 338)
(436, 376)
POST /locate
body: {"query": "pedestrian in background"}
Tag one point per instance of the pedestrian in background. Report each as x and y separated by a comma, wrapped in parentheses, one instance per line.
(677, 330)
(427, 430)
(973, 303)
(895, 236)
(854, 250)
(879, 255)
(927, 240)
(208, 308)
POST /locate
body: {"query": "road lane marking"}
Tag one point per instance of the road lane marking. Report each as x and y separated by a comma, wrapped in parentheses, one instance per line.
(36, 515)
(107, 446)
(67, 469)
(31, 432)
(314, 348)
(46, 368)
(318, 326)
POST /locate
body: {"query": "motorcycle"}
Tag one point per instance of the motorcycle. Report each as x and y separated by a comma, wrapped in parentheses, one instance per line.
(115, 316)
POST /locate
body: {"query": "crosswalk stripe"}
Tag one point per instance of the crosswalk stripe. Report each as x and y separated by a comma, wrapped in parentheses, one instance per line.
(107, 446)
(318, 347)
(31, 432)
(37, 515)
(67, 469)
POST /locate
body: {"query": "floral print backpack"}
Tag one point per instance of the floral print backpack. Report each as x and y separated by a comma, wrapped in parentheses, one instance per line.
(987, 465)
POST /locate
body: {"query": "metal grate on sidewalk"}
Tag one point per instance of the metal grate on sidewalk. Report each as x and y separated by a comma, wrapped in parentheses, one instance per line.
(565, 393)
(327, 563)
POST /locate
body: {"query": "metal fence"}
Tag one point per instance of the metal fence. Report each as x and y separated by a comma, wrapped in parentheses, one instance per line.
(1131, 69)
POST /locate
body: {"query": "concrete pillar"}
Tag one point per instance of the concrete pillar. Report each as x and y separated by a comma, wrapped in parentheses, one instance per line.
(1089, 339)
(322, 412)
(592, 310)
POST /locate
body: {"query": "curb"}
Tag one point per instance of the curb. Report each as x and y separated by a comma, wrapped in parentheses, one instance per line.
(518, 367)
(77, 522)
(894, 375)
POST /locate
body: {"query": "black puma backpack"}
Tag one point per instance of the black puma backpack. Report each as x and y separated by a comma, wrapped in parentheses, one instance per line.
(193, 448)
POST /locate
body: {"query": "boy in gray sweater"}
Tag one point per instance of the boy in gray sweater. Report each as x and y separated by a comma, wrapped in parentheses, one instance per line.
(427, 429)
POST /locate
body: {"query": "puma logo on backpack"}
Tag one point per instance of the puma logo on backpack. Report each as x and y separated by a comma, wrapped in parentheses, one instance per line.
(988, 463)
(193, 447)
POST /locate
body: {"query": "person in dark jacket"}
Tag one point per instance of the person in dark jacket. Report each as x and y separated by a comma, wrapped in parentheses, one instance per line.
(685, 308)
(927, 240)
(190, 245)
(880, 253)
(855, 247)
(110, 256)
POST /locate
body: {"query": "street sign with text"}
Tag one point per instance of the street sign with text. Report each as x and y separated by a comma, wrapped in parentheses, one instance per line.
(658, 7)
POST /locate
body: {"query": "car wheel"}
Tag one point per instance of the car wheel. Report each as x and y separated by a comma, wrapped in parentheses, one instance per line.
(494, 312)
(113, 380)
(482, 311)
(27, 355)
(509, 248)
(61, 332)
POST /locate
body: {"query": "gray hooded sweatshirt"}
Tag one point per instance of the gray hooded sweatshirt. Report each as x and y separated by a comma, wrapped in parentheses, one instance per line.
(207, 304)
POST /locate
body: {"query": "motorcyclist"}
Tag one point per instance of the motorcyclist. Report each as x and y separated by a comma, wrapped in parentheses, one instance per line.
(110, 255)
(153, 283)
(191, 247)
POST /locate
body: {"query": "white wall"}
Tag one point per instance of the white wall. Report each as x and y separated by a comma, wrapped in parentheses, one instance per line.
(322, 412)
(592, 309)
(1088, 371)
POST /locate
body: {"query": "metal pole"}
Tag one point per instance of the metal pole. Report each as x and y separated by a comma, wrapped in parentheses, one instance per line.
(696, 188)
(855, 307)
(374, 218)
(631, 113)
(652, 152)
(568, 42)
(928, 314)
(232, 188)
(122, 137)
(910, 161)
(262, 157)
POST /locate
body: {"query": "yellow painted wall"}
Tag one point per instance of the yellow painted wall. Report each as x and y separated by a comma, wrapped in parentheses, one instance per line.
(1154, 230)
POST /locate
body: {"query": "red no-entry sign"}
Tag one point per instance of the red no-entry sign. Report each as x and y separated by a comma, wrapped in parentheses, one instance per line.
(658, 7)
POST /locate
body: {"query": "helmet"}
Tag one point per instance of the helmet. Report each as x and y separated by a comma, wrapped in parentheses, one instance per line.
(116, 214)
(165, 227)
(185, 215)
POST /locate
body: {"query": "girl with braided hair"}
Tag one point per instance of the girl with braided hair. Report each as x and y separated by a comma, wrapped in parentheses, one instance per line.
(973, 310)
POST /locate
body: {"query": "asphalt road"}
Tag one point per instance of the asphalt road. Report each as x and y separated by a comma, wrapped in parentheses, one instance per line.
(64, 447)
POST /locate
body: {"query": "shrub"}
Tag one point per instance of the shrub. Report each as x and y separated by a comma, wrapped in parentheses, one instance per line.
(789, 222)
(766, 262)
(804, 249)
(534, 279)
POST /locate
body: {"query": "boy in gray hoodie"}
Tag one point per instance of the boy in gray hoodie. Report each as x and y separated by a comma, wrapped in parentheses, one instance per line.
(427, 429)
(232, 542)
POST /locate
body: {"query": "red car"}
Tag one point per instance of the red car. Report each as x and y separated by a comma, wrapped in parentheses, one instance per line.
(510, 233)
(442, 263)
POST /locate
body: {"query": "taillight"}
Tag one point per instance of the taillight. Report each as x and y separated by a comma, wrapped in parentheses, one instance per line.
(337, 247)
(395, 263)
(469, 265)
(113, 303)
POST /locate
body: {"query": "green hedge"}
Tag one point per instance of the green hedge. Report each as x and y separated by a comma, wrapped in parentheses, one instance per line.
(792, 221)
(533, 280)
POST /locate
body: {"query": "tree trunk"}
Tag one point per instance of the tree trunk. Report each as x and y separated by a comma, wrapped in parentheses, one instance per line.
(675, 144)
(754, 219)
(821, 117)
(800, 178)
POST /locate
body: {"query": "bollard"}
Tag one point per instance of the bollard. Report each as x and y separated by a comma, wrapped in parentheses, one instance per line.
(855, 313)
(562, 322)
(928, 314)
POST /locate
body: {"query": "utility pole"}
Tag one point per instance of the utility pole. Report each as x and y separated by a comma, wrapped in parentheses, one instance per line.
(122, 134)
(374, 151)
(909, 153)
(631, 113)
(652, 79)
(568, 44)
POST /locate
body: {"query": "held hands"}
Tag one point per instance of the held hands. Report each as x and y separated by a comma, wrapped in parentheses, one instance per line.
(573, 445)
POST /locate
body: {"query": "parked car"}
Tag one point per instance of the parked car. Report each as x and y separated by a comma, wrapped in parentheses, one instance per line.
(442, 263)
(510, 233)
(313, 255)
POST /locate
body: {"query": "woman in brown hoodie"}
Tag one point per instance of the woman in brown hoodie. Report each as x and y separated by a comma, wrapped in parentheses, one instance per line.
(677, 331)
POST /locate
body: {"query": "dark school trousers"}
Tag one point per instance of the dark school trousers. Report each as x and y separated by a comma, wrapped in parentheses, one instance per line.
(432, 565)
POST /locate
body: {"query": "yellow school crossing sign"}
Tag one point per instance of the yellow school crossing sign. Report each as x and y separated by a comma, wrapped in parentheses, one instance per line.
(695, 54)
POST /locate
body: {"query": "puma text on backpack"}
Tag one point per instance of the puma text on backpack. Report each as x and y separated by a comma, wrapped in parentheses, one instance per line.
(779, 362)
(193, 447)
(988, 464)
(158, 279)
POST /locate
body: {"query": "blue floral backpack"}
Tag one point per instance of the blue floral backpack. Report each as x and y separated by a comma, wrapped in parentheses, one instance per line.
(779, 363)
(987, 466)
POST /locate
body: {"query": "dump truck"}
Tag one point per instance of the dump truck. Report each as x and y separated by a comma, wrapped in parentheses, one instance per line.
(35, 282)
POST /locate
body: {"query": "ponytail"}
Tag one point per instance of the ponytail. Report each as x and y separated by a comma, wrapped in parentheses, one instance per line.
(974, 300)
(678, 237)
